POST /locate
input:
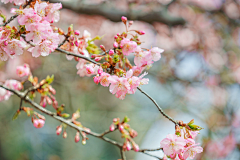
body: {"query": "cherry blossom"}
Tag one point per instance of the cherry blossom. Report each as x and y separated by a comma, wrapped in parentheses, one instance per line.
(23, 70)
(128, 46)
(172, 144)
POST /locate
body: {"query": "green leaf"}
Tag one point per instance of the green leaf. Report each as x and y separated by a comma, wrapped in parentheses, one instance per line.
(15, 116)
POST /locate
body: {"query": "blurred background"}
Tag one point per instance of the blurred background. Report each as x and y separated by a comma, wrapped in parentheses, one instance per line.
(197, 78)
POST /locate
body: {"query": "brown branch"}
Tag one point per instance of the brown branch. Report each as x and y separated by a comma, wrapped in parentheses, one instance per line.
(157, 14)
(123, 155)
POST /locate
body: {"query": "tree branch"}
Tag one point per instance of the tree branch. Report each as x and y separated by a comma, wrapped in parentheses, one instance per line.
(114, 13)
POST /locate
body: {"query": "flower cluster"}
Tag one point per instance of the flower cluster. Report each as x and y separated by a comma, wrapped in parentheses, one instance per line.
(35, 23)
(182, 144)
(127, 133)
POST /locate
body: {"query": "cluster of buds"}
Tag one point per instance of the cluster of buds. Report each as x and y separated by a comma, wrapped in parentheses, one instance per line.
(182, 145)
(127, 133)
(38, 120)
(73, 120)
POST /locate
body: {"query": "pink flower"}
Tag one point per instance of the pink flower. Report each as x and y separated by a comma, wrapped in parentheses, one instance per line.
(41, 49)
(89, 69)
(52, 12)
(40, 8)
(104, 79)
(15, 47)
(38, 31)
(13, 84)
(23, 70)
(142, 58)
(38, 123)
(156, 53)
(3, 55)
(28, 18)
(119, 86)
(124, 19)
(96, 79)
(128, 46)
(172, 144)
(192, 151)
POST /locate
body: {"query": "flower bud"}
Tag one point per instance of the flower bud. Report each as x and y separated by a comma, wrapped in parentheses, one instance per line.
(77, 137)
(120, 127)
(115, 45)
(124, 19)
(135, 147)
(111, 52)
(115, 37)
(76, 43)
(84, 141)
(103, 48)
(59, 130)
(64, 134)
(97, 59)
(77, 32)
(133, 133)
(38, 123)
(112, 127)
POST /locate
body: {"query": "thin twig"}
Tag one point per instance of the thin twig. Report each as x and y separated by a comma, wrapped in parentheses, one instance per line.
(106, 132)
(159, 108)
(144, 150)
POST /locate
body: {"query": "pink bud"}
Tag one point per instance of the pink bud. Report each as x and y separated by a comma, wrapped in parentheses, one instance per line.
(93, 56)
(49, 101)
(111, 52)
(112, 127)
(77, 137)
(71, 38)
(135, 147)
(133, 133)
(76, 43)
(55, 105)
(77, 32)
(64, 134)
(59, 130)
(124, 19)
(120, 127)
(115, 120)
(115, 37)
(173, 156)
(5, 43)
(115, 45)
(38, 123)
(97, 59)
(141, 32)
(52, 90)
(128, 146)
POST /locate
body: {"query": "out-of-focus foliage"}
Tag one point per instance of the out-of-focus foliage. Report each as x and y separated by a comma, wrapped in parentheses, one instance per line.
(197, 77)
